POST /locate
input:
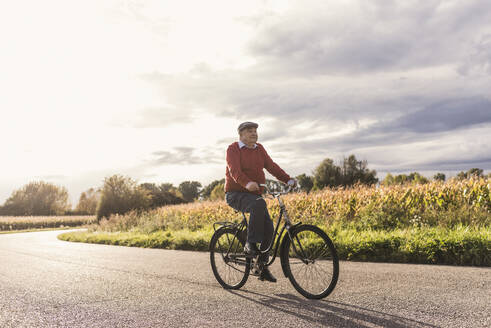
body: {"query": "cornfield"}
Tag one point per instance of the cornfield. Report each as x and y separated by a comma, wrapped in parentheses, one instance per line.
(436, 204)
(10, 223)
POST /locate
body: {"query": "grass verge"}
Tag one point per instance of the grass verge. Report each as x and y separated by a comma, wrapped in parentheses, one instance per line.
(457, 246)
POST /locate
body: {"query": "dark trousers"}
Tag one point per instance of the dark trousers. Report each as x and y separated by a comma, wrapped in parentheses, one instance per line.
(260, 228)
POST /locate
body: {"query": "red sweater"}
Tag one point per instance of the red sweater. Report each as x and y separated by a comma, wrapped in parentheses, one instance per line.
(245, 165)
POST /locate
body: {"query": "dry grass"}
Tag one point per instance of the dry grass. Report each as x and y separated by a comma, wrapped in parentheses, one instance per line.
(11, 223)
(442, 204)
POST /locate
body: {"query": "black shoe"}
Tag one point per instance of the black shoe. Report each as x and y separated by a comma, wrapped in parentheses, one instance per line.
(266, 275)
(251, 249)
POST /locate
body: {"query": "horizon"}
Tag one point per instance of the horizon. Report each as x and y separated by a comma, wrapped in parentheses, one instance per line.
(155, 91)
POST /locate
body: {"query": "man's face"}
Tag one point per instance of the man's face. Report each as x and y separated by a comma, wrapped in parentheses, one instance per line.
(248, 135)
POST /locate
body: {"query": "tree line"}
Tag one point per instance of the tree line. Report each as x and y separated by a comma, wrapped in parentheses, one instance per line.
(120, 194)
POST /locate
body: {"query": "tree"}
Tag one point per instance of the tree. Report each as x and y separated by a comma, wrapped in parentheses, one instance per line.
(388, 180)
(305, 182)
(327, 174)
(474, 172)
(37, 198)
(439, 177)
(218, 192)
(160, 195)
(206, 192)
(190, 190)
(87, 203)
(417, 178)
(120, 195)
(354, 171)
(401, 179)
(170, 188)
(462, 175)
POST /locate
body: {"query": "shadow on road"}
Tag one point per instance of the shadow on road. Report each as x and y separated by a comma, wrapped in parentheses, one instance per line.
(333, 314)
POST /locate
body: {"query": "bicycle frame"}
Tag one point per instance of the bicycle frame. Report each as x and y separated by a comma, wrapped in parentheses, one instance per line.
(295, 243)
(276, 237)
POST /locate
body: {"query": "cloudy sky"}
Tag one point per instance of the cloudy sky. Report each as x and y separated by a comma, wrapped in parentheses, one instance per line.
(155, 89)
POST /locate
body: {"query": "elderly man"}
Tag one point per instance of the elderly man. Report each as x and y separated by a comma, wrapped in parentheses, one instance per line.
(246, 160)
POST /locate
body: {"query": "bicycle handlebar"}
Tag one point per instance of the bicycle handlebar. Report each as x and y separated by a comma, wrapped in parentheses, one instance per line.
(276, 193)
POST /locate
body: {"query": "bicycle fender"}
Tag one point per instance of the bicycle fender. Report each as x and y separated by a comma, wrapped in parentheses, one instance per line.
(242, 237)
(216, 232)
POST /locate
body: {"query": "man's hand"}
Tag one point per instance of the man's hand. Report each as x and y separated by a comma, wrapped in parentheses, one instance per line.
(252, 186)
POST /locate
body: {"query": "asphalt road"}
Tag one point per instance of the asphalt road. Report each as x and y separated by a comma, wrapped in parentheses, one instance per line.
(45, 282)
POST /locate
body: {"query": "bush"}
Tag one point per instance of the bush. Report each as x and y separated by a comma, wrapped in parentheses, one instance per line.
(218, 193)
(160, 195)
(37, 198)
(120, 195)
(207, 190)
(87, 203)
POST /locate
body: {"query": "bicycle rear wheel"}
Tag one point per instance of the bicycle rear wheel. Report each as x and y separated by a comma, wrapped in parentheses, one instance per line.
(228, 262)
(311, 261)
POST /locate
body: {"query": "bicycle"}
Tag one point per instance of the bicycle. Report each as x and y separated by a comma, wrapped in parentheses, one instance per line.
(308, 256)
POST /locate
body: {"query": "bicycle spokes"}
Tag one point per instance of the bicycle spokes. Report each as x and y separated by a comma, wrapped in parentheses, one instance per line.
(229, 264)
(312, 262)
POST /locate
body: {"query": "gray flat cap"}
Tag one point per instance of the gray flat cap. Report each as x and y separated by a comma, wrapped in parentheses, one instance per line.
(245, 125)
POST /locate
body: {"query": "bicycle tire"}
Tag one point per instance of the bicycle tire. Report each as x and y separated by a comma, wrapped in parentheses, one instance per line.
(229, 273)
(313, 246)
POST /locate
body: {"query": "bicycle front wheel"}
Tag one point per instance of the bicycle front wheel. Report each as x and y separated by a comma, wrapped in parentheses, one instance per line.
(228, 262)
(311, 261)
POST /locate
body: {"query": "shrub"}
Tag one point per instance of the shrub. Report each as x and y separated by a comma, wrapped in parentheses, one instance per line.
(120, 195)
(218, 193)
(37, 198)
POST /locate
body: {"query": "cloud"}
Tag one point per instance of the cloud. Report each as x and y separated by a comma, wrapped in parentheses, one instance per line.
(306, 58)
(448, 135)
(154, 117)
(184, 156)
(426, 123)
(333, 78)
(362, 37)
(458, 164)
(52, 177)
(479, 59)
(447, 115)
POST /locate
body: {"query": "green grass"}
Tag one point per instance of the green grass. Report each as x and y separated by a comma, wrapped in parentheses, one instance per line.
(181, 239)
(457, 246)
